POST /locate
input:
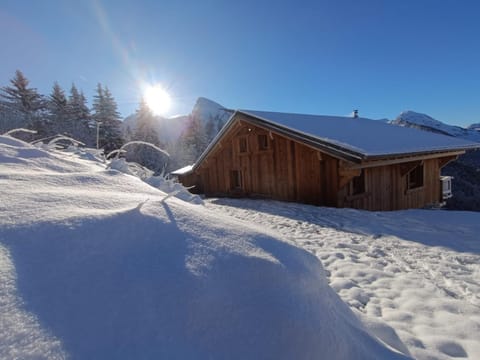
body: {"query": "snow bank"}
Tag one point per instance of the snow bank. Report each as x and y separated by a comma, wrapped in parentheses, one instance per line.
(412, 277)
(166, 185)
(90, 270)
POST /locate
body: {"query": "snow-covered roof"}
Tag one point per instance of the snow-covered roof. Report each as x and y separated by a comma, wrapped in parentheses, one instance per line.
(361, 137)
(184, 170)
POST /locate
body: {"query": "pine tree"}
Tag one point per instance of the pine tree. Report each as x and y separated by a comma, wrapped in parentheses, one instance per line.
(145, 125)
(24, 103)
(20, 97)
(193, 141)
(146, 132)
(98, 104)
(106, 114)
(79, 119)
(57, 108)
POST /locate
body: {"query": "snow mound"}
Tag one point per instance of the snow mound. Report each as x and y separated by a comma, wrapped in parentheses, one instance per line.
(412, 276)
(91, 270)
(424, 122)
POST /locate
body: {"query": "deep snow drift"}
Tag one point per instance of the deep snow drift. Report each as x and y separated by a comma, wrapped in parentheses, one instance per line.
(413, 277)
(94, 265)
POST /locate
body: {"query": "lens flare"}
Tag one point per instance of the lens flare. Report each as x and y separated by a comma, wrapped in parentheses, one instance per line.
(157, 99)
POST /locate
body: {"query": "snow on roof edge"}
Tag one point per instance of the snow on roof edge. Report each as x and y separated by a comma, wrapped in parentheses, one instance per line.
(184, 170)
(353, 150)
(350, 150)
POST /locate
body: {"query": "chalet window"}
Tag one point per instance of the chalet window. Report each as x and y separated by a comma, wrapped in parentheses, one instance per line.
(358, 184)
(262, 142)
(415, 178)
(235, 179)
(242, 145)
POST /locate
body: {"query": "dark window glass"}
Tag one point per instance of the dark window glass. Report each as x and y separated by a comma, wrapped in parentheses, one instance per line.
(262, 142)
(235, 179)
(415, 178)
(358, 184)
(242, 145)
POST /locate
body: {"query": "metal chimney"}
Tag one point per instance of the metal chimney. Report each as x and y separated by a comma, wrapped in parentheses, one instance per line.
(355, 114)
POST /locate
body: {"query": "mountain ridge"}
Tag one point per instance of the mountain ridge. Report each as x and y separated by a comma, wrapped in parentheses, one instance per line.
(425, 122)
(170, 128)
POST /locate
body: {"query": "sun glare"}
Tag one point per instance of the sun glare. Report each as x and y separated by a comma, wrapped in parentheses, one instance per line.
(157, 99)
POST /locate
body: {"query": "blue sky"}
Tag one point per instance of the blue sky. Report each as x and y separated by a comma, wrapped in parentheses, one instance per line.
(320, 57)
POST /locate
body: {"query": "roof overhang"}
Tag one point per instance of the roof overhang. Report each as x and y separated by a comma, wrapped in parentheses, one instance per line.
(356, 159)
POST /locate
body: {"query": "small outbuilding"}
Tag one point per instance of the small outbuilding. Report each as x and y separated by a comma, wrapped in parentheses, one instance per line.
(325, 160)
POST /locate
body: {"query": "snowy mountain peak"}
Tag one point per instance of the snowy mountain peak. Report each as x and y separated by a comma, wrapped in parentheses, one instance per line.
(418, 118)
(424, 122)
(475, 127)
(207, 109)
(170, 129)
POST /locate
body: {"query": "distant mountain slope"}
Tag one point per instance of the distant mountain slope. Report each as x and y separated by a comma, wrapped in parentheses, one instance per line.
(206, 109)
(425, 122)
(475, 127)
(169, 129)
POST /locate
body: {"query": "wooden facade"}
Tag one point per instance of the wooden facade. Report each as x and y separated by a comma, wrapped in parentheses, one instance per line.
(249, 160)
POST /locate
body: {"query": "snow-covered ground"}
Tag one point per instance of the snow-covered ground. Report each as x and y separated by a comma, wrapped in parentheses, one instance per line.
(97, 264)
(413, 276)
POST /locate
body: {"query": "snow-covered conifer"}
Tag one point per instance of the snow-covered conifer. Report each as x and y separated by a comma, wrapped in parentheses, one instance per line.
(23, 103)
(193, 141)
(105, 114)
(145, 132)
(57, 108)
(20, 97)
(79, 118)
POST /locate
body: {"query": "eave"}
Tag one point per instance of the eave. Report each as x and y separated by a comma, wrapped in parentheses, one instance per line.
(356, 160)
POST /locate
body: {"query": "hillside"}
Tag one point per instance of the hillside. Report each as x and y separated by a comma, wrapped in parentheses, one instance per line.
(97, 264)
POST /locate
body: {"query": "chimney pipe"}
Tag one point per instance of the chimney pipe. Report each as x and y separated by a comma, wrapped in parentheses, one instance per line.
(355, 114)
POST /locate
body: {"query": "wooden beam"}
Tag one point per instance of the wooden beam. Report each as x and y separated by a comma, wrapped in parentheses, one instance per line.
(349, 172)
(346, 174)
(344, 180)
(407, 167)
(445, 160)
(375, 163)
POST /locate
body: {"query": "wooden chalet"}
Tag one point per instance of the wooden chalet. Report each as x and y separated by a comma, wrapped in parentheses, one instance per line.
(325, 160)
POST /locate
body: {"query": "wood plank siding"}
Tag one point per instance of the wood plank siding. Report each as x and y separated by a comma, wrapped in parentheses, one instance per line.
(386, 188)
(252, 161)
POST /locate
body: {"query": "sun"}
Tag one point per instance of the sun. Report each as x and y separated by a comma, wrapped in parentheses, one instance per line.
(157, 99)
